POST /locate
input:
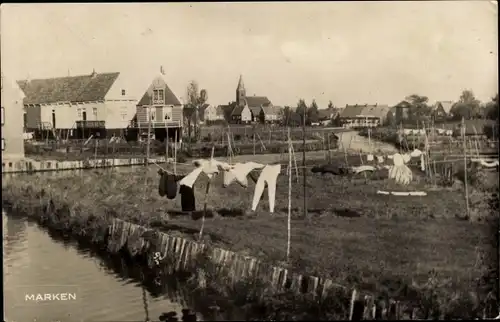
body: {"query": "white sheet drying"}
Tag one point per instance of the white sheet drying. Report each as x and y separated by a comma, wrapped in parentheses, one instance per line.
(268, 175)
(239, 172)
(190, 179)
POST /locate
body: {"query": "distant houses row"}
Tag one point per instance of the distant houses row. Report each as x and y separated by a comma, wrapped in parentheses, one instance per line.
(101, 102)
(355, 116)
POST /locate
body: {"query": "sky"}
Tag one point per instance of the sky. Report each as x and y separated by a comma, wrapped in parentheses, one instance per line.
(346, 52)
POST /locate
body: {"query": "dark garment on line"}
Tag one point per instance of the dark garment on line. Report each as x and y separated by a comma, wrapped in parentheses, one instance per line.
(168, 184)
(330, 168)
(188, 201)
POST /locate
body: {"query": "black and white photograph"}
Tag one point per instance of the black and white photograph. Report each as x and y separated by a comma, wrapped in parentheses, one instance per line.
(250, 161)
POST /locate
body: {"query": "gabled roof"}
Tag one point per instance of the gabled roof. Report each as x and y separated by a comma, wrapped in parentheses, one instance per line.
(352, 111)
(403, 104)
(379, 111)
(328, 113)
(237, 111)
(159, 83)
(447, 105)
(85, 88)
(257, 101)
(272, 110)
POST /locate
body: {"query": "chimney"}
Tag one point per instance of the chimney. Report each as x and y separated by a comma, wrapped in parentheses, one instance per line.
(94, 74)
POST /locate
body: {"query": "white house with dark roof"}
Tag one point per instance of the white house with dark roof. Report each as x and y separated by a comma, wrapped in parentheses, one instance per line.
(364, 115)
(12, 120)
(63, 103)
(252, 108)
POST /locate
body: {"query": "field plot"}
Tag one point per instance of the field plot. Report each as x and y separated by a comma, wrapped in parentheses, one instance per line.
(383, 244)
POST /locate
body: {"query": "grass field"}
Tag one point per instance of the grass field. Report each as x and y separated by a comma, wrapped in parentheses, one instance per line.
(384, 244)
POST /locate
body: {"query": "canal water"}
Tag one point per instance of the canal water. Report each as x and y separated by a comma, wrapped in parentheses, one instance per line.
(88, 288)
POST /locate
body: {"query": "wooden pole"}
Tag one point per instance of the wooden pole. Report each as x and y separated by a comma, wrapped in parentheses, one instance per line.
(465, 168)
(175, 152)
(207, 190)
(289, 196)
(254, 140)
(166, 141)
(328, 147)
(95, 152)
(354, 296)
(304, 172)
(149, 131)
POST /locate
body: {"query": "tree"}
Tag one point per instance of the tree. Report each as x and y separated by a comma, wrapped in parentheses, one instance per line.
(301, 110)
(312, 113)
(330, 105)
(195, 100)
(290, 117)
(491, 110)
(467, 106)
(390, 120)
(419, 110)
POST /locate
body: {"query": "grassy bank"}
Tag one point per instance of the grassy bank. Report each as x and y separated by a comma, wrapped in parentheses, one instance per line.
(393, 247)
(61, 152)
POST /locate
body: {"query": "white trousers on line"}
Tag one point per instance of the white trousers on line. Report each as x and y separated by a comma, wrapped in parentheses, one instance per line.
(268, 175)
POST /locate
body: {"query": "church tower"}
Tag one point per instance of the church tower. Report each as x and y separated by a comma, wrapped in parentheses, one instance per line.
(240, 92)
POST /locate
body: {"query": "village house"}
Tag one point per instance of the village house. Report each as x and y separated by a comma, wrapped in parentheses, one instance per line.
(354, 116)
(401, 111)
(160, 109)
(271, 114)
(252, 108)
(65, 104)
(210, 113)
(441, 110)
(326, 116)
(12, 120)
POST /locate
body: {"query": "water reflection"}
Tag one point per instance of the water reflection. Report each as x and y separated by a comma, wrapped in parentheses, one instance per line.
(106, 289)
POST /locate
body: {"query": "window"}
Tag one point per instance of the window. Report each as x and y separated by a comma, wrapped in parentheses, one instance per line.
(79, 112)
(123, 92)
(168, 113)
(3, 116)
(158, 96)
(94, 111)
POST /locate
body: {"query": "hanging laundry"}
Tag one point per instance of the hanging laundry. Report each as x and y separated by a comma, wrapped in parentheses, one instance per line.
(363, 168)
(168, 184)
(416, 153)
(190, 179)
(269, 176)
(380, 159)
(162, 187)
(188, 201)
(399, 171)
(239, 173)
(331, 168)
(186, 190)
(209, 167)
(487, 163)
(369, 157)
(406, 158)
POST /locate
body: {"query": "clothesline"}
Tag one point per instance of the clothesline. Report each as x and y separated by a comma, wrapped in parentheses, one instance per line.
(312, 166)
